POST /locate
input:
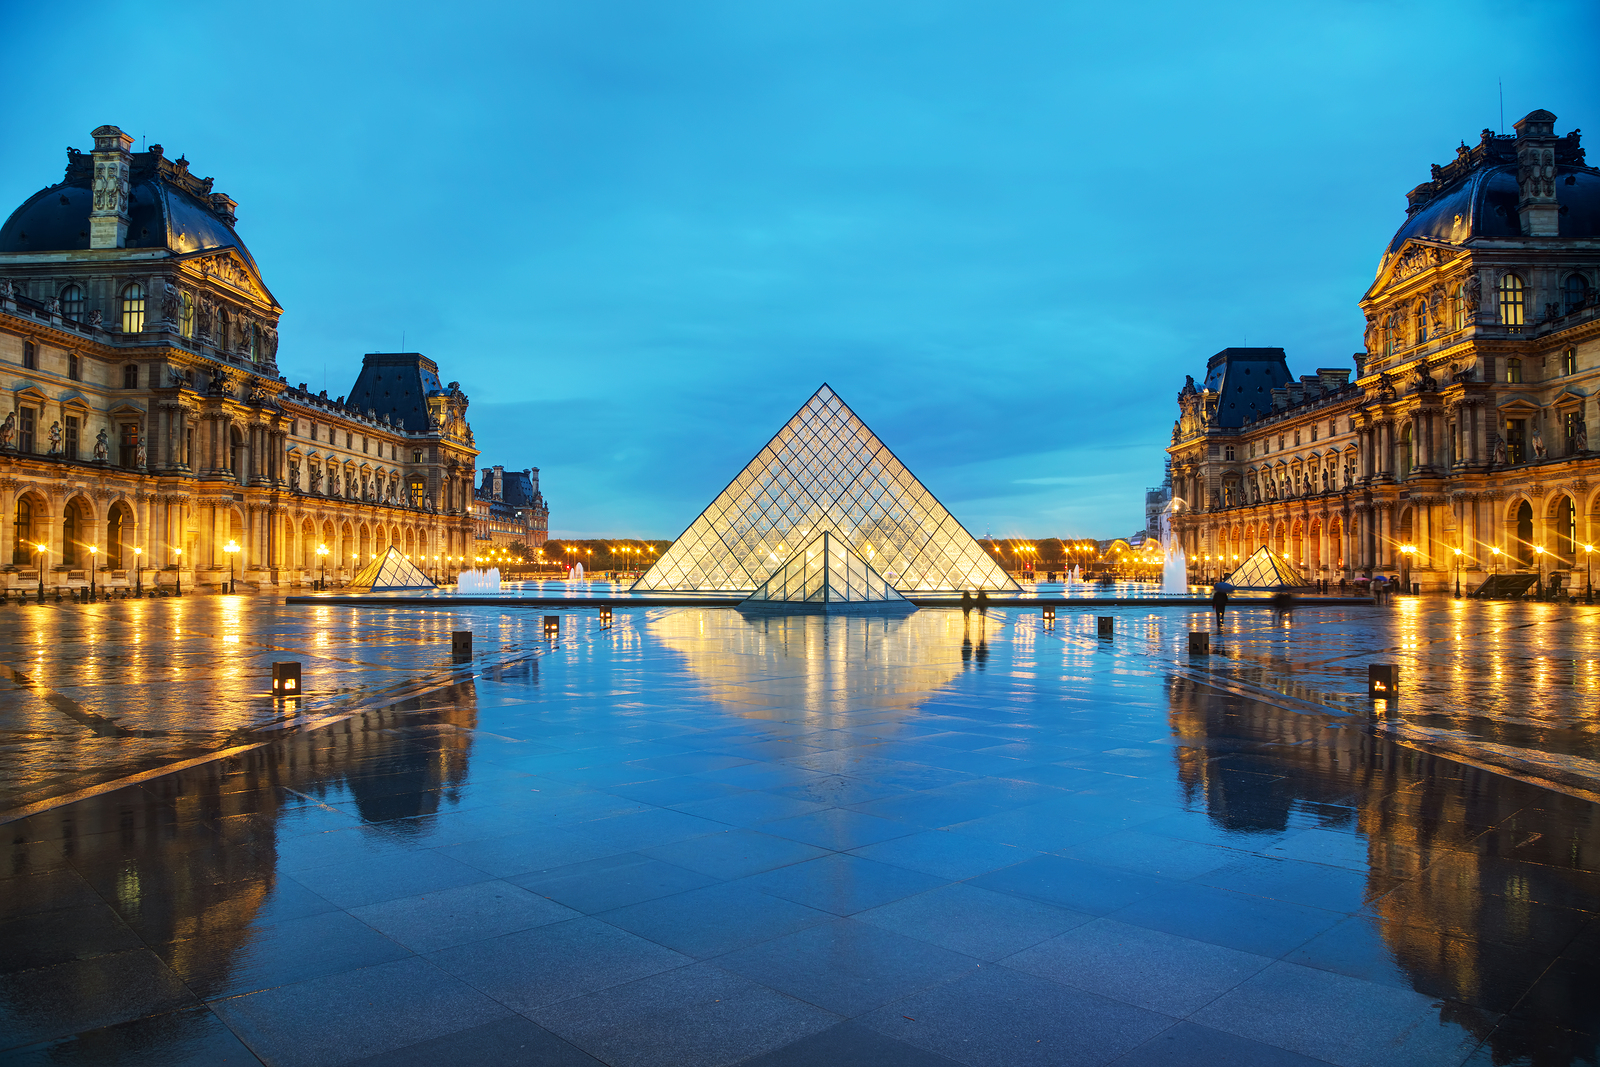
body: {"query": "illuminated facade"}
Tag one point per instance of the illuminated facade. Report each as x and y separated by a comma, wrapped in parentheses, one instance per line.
(1462, 441)
(147, 419)
(825, 472)
(508, 509)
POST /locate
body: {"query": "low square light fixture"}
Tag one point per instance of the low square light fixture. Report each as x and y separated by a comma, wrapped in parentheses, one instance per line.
(286, 679)
(1049, 614)
(1383, 680)
(605, 615)
(552, 625)
(1105, 625)
(1199, 643)
(461, 645)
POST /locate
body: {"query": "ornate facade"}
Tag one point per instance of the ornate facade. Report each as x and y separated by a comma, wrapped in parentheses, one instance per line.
(1462, 443)
(508, 509)
(148, 428)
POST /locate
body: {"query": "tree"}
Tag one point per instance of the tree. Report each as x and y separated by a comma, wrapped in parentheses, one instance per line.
(518, 549)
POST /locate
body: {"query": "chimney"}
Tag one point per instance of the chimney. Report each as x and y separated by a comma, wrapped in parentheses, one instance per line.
(499, 482)
(1333, 378)
(1536, 175)
(533, 479)
(223, 205)
(108, 218)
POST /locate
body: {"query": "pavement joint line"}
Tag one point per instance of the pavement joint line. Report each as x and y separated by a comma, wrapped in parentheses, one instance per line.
(139, 777)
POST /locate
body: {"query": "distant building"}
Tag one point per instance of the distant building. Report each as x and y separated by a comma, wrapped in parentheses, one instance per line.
(1156, 500)
(1462, 442)
(508, 507)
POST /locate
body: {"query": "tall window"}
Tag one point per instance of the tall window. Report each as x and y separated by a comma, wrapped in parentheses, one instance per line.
(72, 303)
(186, 315)
(1569, 361)
(1516, 439)
(1388, 336)
(74, 368)
(70, 536)
(224, 329)
(30, 356)
(27, 423)
(22, 553)
(132, 308)
(1514, 371)
(130, 376)
(127, 447)
(1574, 293)
(1510, 294)
(71, 442)
(1420, 322)
(1458, 308)
(255, 344)
(1571, 419)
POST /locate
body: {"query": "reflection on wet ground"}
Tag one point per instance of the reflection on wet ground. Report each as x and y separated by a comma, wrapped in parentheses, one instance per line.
(694, 838)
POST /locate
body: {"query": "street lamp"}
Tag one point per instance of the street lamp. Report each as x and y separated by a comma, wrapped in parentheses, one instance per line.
(1458, 574)
(138, 571)
(177, 571)
(41, 550)
(1538, 554)
(230, 548)
(1407, 551)
(1494, 554)
(1588, 580)
(92, 550)
(322, 557)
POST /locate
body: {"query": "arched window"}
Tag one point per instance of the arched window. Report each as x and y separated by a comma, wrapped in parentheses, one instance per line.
(1525, 534)
(1510, 294)
(1575, 292)
(186, 315)
(72, 303)
(1514, 371)
(1420, 322)
(1458, 308)
(133, 308)
(22, 545)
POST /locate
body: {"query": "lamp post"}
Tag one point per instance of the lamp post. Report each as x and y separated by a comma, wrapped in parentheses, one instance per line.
(1494, 554)
(92, 550)
(177, 571)
(230, 548)
(1538, 554)
(1458, 574)
(322, 558)
(40, 550)
(138, 571)
(1588, 580)
(1406, 552)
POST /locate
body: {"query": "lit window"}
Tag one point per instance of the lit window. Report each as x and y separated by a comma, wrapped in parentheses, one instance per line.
(1458, 301)
(133, 308)
(1510, 293)
(1389, 328)
(1420, 322)
(1569, 361)
(1576, 291)
(186, 315)
(72, 303)
(1514, 371)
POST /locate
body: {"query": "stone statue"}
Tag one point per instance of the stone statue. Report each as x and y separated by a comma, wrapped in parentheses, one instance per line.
(139, 456)
(7, 290)
(1500, 452)
(316, 479)
(1538, 443)
(96, 317)
(1474, 291)
(219, 383)
(170, 303)
(294, 476)
(269, 337)
(8, 432)
(55, 439)
(52, 306)
(1580, 436)
(101, 450)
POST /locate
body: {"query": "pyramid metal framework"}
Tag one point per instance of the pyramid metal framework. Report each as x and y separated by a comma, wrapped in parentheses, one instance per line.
(824, 471)
(1266, 570)
(389, 572)
(826, 576)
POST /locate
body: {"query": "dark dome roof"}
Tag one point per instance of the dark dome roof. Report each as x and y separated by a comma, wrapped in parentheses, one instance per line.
(161, 214)
(1486, 201)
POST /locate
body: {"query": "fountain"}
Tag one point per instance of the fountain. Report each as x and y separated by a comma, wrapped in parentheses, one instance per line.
(1175, 571)
(479, 581)
(577, 572)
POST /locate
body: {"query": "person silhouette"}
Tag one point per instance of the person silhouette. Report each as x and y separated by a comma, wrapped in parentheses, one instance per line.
(966, 602)
(983, 601)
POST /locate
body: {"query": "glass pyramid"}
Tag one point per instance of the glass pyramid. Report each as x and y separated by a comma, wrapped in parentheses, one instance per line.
(825, 576)
(1266, 570)
(389, 572)
(825, 472)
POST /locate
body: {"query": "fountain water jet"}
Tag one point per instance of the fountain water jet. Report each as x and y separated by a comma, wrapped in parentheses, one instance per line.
(1175, 571)
(479, 581)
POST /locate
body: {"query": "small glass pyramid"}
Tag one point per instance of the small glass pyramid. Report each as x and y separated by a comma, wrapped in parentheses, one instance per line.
(1266, 570)
(389, 572)
(825, 576)
(825, 472)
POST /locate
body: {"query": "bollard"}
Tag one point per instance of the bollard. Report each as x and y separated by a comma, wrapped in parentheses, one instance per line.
(1383, 680)
(461, 646)
(1105, 625)
(605, 616)
(1199, 643)
(1049, 615)
(552, 626)
(286, 679)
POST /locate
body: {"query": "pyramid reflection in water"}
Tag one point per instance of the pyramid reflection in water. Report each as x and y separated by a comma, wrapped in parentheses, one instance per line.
(825, 576)
(825, 472)
(389, 572)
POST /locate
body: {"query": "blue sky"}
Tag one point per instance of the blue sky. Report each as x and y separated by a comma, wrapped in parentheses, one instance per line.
(641, 234)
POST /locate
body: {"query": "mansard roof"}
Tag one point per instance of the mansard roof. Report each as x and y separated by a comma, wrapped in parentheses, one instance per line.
(1243, 379)
(397, 384)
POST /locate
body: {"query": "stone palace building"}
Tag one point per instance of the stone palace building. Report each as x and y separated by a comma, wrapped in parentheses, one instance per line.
(1461, 442)
(145, 429)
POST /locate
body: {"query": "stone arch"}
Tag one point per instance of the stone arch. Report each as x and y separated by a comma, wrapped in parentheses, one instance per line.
(1281, 538)
(363, 545)
(308, 544)
(1561, 519)
(30, 527)
(410, 543)
(347, 545)
(1314, 560)
(119, 530)
(78, 529)
(1520, 531)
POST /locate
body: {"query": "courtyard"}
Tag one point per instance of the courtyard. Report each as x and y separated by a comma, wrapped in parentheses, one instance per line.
(696, 838)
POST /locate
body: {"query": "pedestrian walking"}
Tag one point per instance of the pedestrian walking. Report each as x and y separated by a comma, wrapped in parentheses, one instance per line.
(1219, 601)
(983, 601)
(966, 602)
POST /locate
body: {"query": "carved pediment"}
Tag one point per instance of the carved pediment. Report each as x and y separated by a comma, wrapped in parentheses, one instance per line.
(230, 269)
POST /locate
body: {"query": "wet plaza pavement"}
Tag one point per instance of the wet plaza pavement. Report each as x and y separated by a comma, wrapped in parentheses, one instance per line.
(699, 839)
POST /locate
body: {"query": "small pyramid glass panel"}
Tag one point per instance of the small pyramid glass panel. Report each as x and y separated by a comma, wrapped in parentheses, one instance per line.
(825, 571)
(1266, 570)
(389, 572)
(826, 472)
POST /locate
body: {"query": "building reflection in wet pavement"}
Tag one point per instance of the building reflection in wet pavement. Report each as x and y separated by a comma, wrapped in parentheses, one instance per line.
(696, 838)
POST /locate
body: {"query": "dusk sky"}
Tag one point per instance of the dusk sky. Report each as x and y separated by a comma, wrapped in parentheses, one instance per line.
(642, 234)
